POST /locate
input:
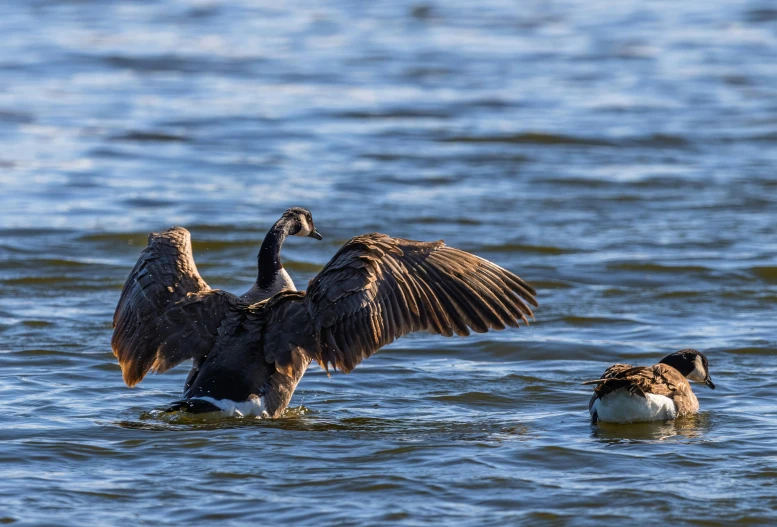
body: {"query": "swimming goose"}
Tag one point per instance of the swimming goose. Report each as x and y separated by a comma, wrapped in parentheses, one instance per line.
(249, 356)
(627, 394)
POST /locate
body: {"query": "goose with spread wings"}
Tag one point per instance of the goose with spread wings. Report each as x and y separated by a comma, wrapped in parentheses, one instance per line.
(248, 356)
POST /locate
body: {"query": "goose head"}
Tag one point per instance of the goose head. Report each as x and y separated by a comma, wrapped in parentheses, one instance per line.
(692, 364)
(300, 223)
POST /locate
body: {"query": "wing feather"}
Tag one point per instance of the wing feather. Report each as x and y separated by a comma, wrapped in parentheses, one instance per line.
(640, 380)
(166, 312)
(378, 288)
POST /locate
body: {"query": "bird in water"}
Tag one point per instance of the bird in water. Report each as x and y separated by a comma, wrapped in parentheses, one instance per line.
(249, 352)
(628, 394)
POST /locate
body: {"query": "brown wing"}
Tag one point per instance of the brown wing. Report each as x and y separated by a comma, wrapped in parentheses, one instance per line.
(377, 288)
(166, 313)
(615, 370)
(659, 380)
(610, 373)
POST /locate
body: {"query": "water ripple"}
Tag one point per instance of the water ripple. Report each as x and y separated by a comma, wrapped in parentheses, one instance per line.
(619, 157)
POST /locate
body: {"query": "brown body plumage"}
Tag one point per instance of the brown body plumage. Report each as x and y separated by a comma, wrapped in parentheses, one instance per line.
(373, 291)
(624, 388)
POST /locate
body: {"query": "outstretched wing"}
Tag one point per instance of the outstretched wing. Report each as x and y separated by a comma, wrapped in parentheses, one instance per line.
(378, 288)
(166, 313)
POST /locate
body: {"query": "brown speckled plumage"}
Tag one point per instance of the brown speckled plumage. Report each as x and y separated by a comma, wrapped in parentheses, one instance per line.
(660, 379)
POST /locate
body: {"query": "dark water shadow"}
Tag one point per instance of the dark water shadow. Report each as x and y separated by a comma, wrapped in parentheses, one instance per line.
(692, 428)
(303, 419)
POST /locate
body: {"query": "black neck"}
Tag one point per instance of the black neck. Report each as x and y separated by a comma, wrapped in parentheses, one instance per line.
(679, 362)
(269, 258)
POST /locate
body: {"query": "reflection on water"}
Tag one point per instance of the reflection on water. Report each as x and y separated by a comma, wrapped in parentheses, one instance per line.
(693, 428)
(620, 156)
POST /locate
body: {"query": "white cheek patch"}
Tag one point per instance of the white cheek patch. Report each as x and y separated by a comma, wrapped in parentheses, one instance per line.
(304, 229)
(698, 374)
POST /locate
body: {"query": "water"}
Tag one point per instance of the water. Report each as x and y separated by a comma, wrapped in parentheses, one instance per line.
(620, 156)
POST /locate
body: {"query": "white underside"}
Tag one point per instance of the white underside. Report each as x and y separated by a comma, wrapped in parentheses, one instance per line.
(253, 407)
(622, 407)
